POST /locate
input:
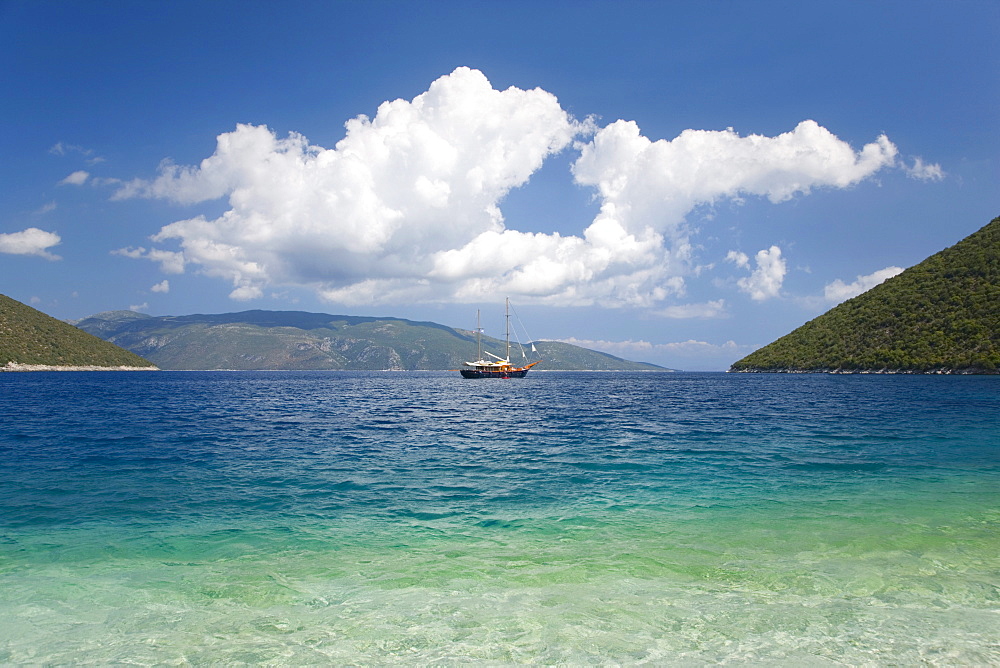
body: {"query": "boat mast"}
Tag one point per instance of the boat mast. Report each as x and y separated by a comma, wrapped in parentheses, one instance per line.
(507, 318)
(479, 337)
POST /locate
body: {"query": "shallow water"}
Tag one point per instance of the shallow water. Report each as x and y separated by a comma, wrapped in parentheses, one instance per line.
(359, 518)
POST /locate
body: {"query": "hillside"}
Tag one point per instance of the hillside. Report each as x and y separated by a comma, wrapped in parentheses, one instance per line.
(940, 316)
(300, 340)
(30, 337)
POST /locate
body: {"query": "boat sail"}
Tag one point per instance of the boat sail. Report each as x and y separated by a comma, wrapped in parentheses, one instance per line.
(499, 367)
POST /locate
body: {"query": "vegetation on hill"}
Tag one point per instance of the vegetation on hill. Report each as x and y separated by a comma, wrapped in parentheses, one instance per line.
(30, 337)
(299, 340)
(940, 316)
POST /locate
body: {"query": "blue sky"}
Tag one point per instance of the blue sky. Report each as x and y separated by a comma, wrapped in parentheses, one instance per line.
(674, 182)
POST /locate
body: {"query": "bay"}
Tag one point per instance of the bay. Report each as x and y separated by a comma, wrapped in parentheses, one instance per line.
(586, 518)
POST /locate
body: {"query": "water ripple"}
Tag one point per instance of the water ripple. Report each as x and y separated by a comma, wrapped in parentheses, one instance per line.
(569, 518)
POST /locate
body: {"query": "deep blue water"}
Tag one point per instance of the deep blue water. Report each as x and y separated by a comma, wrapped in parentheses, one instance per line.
(309, 517)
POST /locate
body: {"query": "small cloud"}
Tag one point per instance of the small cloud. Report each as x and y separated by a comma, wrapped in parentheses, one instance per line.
(246, 293)
(104, 181)
(714, 309)
(31, 241)
(838, 291)
(170, 262)
(162, 286)
(739, 259)
(765, 281)
(139, 307)
(77, 178)
(924, 172)
(35, 300)
(45, 208)
(60, 148)
(134, 253)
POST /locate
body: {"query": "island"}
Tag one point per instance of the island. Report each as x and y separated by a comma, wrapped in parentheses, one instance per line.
(300, 340)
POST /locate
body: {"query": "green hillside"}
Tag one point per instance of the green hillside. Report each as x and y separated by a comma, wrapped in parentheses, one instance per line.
(28, 336)
(300, 340)
(940, 316)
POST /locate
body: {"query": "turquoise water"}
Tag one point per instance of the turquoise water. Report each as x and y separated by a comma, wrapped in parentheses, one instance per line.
(575, 518)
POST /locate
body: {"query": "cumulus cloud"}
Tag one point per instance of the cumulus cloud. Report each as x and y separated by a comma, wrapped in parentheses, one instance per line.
(162, 286)
(31, 241)
(407, 206)
(838, 291)
(765, 281)
(656, 183)
(77, 178)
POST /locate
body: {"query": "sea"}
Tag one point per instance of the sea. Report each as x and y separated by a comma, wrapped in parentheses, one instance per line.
(567, 518)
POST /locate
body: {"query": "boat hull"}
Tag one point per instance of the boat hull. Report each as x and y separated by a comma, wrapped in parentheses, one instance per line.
(476, 373)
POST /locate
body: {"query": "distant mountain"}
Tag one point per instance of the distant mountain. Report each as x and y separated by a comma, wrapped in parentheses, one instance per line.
(30, 337)
(940, 316)
(300, 340)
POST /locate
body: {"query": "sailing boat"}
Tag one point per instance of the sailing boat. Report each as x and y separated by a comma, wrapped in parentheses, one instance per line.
(501, 367)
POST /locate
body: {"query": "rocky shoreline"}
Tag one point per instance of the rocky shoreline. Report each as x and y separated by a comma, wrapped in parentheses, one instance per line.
(15, 366)
(901, 372)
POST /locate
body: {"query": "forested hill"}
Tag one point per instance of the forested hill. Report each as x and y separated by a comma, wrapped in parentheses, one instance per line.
(300, 340)
(940, 316)
(30, 337)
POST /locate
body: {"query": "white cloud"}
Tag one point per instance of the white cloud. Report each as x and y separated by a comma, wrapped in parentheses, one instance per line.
(406, 207)
(45, 208)
(171, 262)
(106, 181)
(31, 241)
(63, 149)
(838, 291)
(765, 281)
(60, 148)
(139, 307)
(77, 178)
(741, 260)
(924, 172)
(162, 286)
(712, 309)
(246, 293)
(656, 183)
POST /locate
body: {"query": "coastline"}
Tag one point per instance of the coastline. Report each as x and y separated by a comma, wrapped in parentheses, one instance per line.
(16, 366)
(848, 372)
